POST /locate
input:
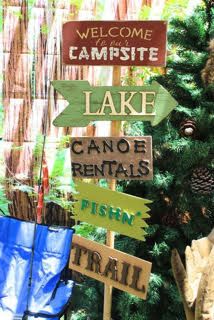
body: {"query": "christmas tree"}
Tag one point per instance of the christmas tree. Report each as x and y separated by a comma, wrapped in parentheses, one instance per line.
(183, 184)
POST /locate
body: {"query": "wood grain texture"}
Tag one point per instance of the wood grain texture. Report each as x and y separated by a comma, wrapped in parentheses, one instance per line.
(204, 307)
(180, 276)
(113, 267)
(120, 43)
(110, 235)
(86, 103)
(128, 158)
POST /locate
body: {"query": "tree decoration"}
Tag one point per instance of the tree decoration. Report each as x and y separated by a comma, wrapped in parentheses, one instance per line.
(188, 128)
(207, 73)
(170, 219)
(202, 181)
(208, 214)
(190, 37)
(185, 217)
(173, 219)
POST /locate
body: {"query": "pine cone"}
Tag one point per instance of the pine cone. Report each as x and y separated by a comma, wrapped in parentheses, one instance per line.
(185, 217)
(209, 214)
(170, 219)
(202, 181)
(207, 74)
(188, 128)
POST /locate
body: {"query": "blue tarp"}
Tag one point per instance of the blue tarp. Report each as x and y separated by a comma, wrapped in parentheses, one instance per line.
(49, 294)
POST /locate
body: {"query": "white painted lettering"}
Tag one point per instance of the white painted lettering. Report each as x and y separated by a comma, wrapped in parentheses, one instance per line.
(126, 103)
(84, 54)
(153, 52)
(124, 51)
(108, 103)
(146, 103)
(71, 50)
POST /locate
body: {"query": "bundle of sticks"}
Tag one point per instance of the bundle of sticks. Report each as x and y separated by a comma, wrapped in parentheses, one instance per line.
(196, 282)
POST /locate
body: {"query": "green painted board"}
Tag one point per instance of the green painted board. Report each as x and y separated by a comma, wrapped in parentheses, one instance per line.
(140, 103)
(112, 210)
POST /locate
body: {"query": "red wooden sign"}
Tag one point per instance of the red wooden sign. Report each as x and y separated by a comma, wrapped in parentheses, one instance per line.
(124, 43)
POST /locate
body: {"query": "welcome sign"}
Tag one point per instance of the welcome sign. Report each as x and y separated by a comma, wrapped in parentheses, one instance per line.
(136, 43)
(115, 211)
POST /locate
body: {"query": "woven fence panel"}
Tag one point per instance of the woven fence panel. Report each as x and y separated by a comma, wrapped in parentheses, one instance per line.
(32, 45)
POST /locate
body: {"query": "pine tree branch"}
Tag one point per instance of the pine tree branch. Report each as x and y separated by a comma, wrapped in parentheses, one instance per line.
(209, 5)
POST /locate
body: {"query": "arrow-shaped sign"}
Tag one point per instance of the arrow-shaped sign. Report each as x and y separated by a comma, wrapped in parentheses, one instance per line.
(140, 103)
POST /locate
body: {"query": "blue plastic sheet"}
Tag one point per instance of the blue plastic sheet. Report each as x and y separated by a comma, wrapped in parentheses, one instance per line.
(49, 294)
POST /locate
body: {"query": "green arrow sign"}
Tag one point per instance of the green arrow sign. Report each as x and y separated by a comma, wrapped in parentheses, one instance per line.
(145, 103)
(112, 210)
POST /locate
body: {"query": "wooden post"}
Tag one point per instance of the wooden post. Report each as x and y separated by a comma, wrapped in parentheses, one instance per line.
(115, 131)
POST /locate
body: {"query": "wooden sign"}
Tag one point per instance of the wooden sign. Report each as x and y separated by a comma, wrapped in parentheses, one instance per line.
(140, 103)
(128, 158)
(121, 43)
(113, 267)
(115, 211)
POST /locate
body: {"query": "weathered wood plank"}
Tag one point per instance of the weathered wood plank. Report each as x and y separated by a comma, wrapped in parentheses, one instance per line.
(15, 28)
(131, 103)
(62, 4)
(113, 267)
(128, 158)
(17, 72)
(121, 43)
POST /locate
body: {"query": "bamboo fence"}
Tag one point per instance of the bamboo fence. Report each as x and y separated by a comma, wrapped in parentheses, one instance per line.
(32, 45)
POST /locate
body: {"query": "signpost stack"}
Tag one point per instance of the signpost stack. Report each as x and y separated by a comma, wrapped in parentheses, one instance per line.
(113, 43)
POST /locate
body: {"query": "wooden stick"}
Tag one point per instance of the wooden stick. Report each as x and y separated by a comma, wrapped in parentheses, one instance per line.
(180, 277)
(115, 131)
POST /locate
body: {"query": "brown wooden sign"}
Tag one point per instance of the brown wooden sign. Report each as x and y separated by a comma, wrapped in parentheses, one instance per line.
(125, 43)
(110, 266)
(128, 158)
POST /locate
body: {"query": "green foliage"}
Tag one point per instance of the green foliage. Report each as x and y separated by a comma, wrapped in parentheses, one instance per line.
(99, 9)
(79, 315)
(175, 157)
(76, 3)
(1, 17)
(163, 180)
(85, 300)
(59, 188)
(4, 202)
(30, 4)
(1, 116)
(58, 167)
(37, 154)
(174, 8)
(91, 232)
(45, 29)
(144, 13)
